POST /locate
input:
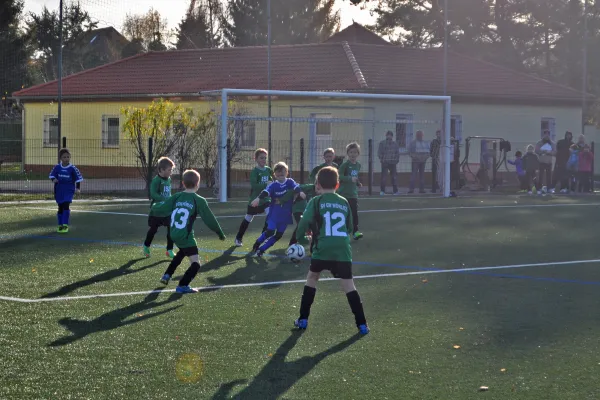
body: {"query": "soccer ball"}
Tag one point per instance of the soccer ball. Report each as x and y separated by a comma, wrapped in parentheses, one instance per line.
(295, 253)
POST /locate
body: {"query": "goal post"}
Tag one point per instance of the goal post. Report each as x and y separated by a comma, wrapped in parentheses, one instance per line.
(226, 117)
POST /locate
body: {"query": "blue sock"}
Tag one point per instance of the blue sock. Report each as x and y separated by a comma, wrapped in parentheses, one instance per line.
(66, 215)
(261, 238)
(59, 217)
(270, 242)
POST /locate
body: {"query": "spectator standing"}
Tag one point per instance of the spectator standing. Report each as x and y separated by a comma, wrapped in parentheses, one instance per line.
(545, 149)
(389, 156)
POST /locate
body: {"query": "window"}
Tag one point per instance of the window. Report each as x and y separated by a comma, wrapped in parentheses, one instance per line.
(323, 127)
(456, 127)
(50, 131)
(110, 131)
(404, 129)
(548, 124)
(245, 133)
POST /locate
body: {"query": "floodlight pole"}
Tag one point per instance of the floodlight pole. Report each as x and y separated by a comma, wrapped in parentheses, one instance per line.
(269, 77)
(584, 66)
(60, 68)
(445, 46)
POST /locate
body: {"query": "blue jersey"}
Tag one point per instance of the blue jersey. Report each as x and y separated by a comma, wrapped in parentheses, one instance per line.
(67, 178)
(281, 213)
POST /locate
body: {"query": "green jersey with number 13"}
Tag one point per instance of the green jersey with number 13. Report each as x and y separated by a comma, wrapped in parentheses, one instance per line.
(184, 208)
(331, 215)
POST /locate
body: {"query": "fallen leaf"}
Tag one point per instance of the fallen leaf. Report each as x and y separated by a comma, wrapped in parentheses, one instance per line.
(461, 329)
(456, 346)
(483, 388)
(140, 315)
(424, 281)
(270, 355)
(91, 260)
(502, 369)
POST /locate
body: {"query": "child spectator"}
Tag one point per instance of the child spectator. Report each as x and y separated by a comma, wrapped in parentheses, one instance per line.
(531, 164)
(518, 163)
(572, 167)
(586, 160)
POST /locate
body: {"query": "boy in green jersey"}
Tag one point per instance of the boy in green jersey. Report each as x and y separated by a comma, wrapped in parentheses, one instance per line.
(328, 156)
(349, 184)
(330, 217)
(160, 190)
(260, 177)
(184, 207)
(299, 205)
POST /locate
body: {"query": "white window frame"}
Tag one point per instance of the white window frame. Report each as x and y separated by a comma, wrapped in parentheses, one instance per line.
(458, 128)
(105, 138)
(46, 134)
(408, 130)
(241, 126)
(551, 121)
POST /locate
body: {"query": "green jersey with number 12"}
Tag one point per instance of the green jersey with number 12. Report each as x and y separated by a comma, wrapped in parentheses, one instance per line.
(330, 214)
(184, 208)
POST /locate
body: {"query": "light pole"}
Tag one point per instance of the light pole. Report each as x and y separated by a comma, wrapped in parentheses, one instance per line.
(445, 46)
(269, 76)
(584, 66)
(60, 68)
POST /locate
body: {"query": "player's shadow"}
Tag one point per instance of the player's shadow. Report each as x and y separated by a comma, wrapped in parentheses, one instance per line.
(279, 375)
(123, 270)
(221, 260)
(114, 319)
(260, 270)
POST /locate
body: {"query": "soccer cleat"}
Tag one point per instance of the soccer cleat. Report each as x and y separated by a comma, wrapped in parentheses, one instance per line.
(364, 329)
(238, 242)
(146, 251)
(65, 229)
(358, 235)
(165, 279)
(185, 289)
(59, 229)
(259, 253)
(301, 323)
(170, 254)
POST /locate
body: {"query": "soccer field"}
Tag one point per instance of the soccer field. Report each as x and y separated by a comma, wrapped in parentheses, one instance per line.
(460, 293)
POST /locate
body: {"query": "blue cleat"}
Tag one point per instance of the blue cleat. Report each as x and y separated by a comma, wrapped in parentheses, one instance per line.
(301, 323)
(185, 289)
(363, 329)
(165, 279)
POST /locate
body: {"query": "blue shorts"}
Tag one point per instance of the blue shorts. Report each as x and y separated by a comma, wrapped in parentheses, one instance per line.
(278, 226)
(64, 193)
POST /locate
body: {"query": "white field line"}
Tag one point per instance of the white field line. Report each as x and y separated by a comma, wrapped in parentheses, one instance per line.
(211, 200)
(361, 211)
(243, 285)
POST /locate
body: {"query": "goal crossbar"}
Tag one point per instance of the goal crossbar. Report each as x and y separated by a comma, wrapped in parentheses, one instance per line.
(226, 93)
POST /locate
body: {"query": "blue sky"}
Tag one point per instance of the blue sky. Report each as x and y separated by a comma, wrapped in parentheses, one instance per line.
(112, 12)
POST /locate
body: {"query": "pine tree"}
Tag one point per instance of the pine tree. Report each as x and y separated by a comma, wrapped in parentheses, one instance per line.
(13, 49)
(292, 22)
(202, 25)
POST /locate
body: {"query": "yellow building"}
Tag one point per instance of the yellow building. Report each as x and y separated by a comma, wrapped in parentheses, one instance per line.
(487, 100)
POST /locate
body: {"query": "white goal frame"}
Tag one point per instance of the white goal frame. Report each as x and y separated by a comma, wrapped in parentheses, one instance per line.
(226, 93)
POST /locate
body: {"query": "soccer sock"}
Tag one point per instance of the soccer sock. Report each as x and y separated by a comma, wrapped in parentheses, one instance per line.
(356, 307)
(243, 226)
(190, 274)
(150, 236)
(174, 263)
(66, 215)
(169, 240)
(308, 296)
(271, 241)
(59, 218)
(293, 239)
(264, 229)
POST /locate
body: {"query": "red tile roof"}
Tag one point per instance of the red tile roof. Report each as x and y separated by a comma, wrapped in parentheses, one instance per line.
(316, 67)
(356, 33)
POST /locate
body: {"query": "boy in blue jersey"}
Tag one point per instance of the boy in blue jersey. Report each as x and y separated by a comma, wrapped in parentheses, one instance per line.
(67, 180)
(280, 213)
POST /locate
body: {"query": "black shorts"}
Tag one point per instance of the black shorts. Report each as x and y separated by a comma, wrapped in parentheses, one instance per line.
(257, 210)
(339, 269)
(158, 221)
(189, 251)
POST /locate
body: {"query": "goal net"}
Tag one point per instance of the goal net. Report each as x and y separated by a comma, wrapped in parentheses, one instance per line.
(400, 136)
